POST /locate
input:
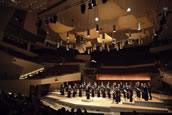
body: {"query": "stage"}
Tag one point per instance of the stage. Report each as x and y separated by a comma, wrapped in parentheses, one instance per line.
(105, 105)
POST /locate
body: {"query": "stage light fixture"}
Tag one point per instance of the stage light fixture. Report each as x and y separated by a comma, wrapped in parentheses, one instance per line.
(94, 3)
(104, 1)
(139, 26)
(97, 28)
(96, 19)
(88, 33)
(128, 10)
(103, 36)
(114, 28)
(83, 6)
(75, 36)
(90, 6)
(67, 35)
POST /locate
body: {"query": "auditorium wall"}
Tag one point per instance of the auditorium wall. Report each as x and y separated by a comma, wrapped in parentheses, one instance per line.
(8, 69)
(23, 86)
(27, 66)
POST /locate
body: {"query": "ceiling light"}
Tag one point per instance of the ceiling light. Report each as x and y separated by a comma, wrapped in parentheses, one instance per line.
(104, 1)
(96, 19)
(68, 35)
(88, 33)
(93, 61)
(114, 28)
(103, 36)
(75, 36)
(13, 1)
(88, 51)
(97, 28)
(128, 10)
(90, 5)
(94, 3)
(58, 44)
(67, 47)
(139, 26)
(83, 6)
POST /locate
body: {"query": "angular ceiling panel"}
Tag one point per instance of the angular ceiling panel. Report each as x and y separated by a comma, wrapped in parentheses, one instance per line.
(71, 37)
(60, 28)
(145, 23)
(110, 11)
(93, 34)
(106, 40)
(127, 22)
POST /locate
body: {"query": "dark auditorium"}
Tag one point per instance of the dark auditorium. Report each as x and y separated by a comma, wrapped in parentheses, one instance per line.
(85, 57)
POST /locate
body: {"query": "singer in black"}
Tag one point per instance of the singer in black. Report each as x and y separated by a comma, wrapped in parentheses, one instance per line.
(80, 91)
(114, 95)
(98, 92)
(108, 92)
(92, 92)
(62, 89)
(145, 92)
(103, 92)
(118, 95)
(131, 93)
(74, 91)
(88, 92)
(69, 92)
(149, 91)
(137, 88)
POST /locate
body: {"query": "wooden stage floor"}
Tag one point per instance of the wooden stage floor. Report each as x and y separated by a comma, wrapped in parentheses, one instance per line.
(99, 104)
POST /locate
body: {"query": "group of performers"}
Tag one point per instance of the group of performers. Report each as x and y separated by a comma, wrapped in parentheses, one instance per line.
(114, 91)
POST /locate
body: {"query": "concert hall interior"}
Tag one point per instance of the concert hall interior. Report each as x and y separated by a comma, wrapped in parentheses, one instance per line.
(85, 57)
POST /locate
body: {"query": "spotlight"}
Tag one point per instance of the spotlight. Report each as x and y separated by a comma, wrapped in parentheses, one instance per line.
(128, 9)
(104, 1)
(89, 5)
(94, 3)
(103, 37)
(139, 26)
(67, 35)
(88, 33)
(97, 28)
(75, 36)
(83, 6)
(114, 28)
(96, 19)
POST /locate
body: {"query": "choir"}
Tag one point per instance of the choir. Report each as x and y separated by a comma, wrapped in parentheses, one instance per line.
(114, 91)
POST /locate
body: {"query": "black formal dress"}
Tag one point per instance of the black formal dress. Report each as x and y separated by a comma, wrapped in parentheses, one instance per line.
(98, 92)
(114, 95)
(103, 93)
(108, 92)
(118, 96)
(149, 91)
(92, 92)
(138, 89)
(146, 93)
(69, 93)
(88, 93)
(131, 94)
(80, 92)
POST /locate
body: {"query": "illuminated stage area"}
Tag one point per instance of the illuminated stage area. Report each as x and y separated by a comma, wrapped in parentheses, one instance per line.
(105, 105)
